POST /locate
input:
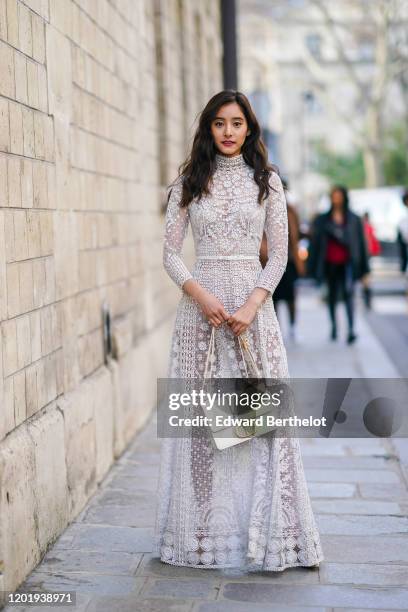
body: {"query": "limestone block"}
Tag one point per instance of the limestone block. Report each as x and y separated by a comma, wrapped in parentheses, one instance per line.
(90, 351)
(8, 234)
(48, 132)
(20, 69)
(61, 16)
(13, 289)
(39, 282)
(138, 390)
(4, 199)
(58, 49)
(50, 378)
(119, 442)
(16, 128)
(24, 30)
(38, 33)
(39, 136)
(19, 548)
(63, 182)
(47, 232)
(45, 12)
(35, 331)
(104, 421)
(46, 330)
(7, 421)
(42, 88)
(47, 434)
(40, 179)
(14, 181)
(87, 270)
(7, 86)
(23, 341)
(66, 253)
(89, 312)
(80, 445)
(31, 389)
(20, 411)
(26, 286)
(27, 195)
(28, 129)
(70, 343)
(50, 183)
(3, 259)
(2, 411)
(55, 315)
(40, 7)
(4, 125)
(121, 337)
(32, 84)
(59, 364)
(3, 19)
(33, 233)
(9, 346)
(49, 296)
(20, 234)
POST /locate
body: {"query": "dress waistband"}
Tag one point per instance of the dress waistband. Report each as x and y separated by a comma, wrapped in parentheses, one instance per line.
(234, 257)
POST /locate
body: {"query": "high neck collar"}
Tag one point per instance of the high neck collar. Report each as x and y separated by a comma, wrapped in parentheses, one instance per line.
(229, 163)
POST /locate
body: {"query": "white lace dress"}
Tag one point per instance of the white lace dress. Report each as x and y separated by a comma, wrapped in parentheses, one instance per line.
(246, 506)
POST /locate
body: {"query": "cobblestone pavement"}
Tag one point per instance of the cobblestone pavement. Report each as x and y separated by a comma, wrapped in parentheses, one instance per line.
(359, 492)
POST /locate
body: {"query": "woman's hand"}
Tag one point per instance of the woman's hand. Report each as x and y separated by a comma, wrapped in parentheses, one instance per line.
(212, 308)
(243, 317)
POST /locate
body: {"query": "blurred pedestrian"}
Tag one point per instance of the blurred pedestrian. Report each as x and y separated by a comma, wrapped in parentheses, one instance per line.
(338, 255)
(402, 236)
(373, 249)
(286, 288)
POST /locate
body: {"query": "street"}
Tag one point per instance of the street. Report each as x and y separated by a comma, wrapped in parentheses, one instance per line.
(359, 492)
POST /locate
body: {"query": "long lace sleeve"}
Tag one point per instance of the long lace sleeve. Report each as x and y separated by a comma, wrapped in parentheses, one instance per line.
(176, 226)
(276, 230)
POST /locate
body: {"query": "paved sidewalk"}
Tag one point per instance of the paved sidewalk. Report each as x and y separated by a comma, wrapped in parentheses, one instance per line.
(359, 494)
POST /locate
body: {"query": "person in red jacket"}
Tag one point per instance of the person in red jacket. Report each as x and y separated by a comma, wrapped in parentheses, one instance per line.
(338, 255)
(373, 249)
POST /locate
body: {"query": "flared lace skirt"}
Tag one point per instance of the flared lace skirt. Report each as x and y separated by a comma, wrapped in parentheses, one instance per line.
(246, 506)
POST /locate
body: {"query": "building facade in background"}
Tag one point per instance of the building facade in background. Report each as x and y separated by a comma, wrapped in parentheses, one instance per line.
(330, 75)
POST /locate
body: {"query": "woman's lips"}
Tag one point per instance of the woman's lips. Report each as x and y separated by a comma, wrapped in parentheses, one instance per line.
(227, 143)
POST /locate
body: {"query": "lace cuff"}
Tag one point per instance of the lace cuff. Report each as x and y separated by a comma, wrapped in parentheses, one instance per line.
(276, 230)
(176, 227)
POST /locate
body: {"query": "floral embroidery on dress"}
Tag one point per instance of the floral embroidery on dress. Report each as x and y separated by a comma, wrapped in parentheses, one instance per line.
(247, 506)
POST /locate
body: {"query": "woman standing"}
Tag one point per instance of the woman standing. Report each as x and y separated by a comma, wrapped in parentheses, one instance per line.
(246, 506)
(286, 288)
(338, 255)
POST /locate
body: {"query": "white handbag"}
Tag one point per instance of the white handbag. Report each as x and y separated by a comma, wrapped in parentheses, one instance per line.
(231, 435)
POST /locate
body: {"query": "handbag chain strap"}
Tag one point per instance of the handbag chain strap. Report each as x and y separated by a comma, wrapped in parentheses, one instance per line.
(244, 347)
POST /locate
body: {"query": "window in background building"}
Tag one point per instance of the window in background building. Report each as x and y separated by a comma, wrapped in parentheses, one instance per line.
(313, 42)
(312, 103)
(366, 50)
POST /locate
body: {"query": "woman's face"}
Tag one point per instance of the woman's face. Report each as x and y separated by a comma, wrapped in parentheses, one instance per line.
(229, 129)
(337, 199)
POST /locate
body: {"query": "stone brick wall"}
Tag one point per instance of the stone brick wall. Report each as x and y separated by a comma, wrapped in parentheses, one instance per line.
(98, 100)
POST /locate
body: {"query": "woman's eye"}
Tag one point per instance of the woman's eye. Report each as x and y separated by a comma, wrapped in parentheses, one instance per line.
(219, 124)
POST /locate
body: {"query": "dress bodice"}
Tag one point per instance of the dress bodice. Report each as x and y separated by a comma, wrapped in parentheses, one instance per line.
(229, 222)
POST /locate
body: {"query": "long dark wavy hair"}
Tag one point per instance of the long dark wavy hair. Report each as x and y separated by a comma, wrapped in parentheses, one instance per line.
(344, 191)
(197, 170)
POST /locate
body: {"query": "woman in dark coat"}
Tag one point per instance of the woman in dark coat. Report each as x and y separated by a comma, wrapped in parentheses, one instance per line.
(338, 255)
